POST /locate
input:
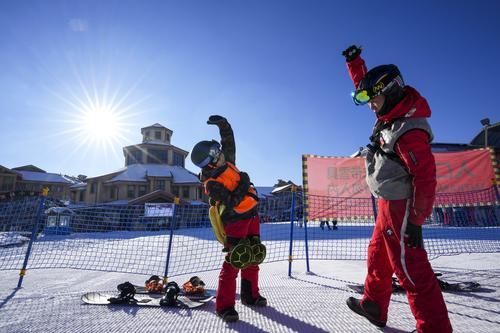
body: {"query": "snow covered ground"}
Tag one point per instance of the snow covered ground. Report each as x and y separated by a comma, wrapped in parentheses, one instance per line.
(49, 301)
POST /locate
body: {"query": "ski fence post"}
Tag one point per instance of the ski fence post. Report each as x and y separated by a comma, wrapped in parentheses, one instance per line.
(292, 214)
(172, 226)
(306, 240)
(22, 273)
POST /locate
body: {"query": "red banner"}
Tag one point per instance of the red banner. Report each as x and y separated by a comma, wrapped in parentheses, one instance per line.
(344, 177)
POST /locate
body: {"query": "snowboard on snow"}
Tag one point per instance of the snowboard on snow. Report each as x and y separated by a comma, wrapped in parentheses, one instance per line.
(148, 299)
(445, 286)
(207, 293)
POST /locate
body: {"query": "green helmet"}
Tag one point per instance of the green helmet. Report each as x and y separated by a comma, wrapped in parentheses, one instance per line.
(205, 153)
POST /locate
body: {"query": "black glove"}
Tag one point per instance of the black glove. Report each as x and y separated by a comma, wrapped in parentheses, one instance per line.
(413, 236)
(219, 121)
(351, 53)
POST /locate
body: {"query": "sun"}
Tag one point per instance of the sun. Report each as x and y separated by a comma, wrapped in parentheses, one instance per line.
(95, 118)
(101, 124)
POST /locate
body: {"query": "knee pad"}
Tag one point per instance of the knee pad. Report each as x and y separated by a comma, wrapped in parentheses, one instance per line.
(240, 256)
(258, 250)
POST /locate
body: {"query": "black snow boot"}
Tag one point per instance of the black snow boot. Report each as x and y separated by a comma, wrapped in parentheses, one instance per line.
(368, 309)
(228, 315)
(246, 295)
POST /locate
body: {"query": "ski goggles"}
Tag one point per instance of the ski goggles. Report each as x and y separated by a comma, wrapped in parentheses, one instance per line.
(213, 155)
(363, 96)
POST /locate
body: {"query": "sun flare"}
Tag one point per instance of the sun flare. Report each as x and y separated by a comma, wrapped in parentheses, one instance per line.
(101, 124)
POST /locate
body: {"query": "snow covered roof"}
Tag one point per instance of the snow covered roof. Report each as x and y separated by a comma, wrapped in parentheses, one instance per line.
(140, 172)
(79, 186)
(264, 191)
(43, 177)
(58, 210)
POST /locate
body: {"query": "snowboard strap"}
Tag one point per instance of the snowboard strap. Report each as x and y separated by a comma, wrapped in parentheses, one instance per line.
(127, 293)
(194, 286)
(171, 292)
(154, 284)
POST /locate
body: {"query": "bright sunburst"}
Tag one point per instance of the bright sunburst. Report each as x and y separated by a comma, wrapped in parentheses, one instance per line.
(100, 125)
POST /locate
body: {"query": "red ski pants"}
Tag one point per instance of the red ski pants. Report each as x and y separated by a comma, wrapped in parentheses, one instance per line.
(388, 254)
(226, 290)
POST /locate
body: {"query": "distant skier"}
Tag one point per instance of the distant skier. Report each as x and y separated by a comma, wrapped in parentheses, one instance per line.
(401, 172)
(334, 225)
(234, 216)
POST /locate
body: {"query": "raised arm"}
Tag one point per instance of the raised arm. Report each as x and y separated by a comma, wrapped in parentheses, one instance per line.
(226, 135)
(355, 64)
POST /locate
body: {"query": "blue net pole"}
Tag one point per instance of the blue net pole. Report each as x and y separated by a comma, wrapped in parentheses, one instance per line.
(308, 268)
(38, 217)
(172, 226)
(292, 214)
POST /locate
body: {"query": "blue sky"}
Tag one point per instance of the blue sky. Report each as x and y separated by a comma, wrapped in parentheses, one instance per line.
(273, 68)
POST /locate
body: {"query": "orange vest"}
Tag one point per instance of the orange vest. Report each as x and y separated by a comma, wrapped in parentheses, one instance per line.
(230, 178)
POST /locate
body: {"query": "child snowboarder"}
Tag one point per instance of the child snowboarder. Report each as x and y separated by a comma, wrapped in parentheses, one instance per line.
(234, 216)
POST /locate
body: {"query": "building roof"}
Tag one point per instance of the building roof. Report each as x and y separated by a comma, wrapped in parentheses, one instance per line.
(493, 136)
(140, 172)
(264, 191)
(43, 177)
(155, 125)
(29, 167)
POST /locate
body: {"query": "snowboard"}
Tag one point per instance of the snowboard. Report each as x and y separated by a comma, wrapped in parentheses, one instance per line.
(208, 294)
(445, 286)
(143, 299)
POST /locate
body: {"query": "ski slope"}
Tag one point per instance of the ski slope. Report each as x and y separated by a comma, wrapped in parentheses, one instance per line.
(49, 300)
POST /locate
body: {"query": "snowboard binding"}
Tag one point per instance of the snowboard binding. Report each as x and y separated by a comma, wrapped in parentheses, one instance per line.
(127, 293)
(154, 284)
(171, 292)
(194, 286)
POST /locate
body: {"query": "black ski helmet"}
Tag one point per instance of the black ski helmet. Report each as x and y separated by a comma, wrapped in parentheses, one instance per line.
(205, 153)
(386, 80)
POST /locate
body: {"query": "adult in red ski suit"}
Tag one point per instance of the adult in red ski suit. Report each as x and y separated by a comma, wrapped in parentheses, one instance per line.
(401, 172)
(225, 184)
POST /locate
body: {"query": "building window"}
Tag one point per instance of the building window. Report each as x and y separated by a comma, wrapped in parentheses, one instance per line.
(134, 156)
(142, 190)
(146, 134)
(175, 191)
(158, 156)
(157, 135)
(130, 191)
(82, 196)
(167, 137)
(160, 184)
(185, 192)
(112, 192)
(93, 187)
(178, 159)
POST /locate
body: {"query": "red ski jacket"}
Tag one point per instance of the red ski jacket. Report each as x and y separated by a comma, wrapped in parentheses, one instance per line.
(413, 147)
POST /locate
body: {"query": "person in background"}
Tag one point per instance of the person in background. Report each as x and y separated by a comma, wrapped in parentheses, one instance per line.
(401, 172)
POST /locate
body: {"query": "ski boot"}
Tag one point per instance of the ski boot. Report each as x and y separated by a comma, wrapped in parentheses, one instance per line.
(171, 292)
(228, 315)
(240, 256)
(246, 295)
(367, 309)
(258, 250)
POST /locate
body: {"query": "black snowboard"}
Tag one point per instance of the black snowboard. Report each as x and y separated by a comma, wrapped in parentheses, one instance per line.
(445, 286)
(102, 298)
